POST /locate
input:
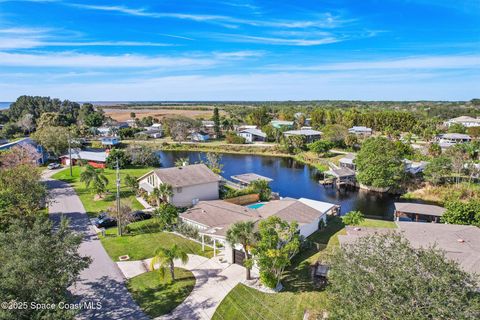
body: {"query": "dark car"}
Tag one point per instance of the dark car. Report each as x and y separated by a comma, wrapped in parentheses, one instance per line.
(104, 221)
(140, 215)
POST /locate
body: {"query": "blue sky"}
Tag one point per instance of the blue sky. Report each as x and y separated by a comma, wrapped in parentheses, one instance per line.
(240, 50)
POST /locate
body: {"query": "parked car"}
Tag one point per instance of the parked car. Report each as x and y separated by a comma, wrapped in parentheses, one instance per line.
(140, 215)
(53, 166)
(104, 221)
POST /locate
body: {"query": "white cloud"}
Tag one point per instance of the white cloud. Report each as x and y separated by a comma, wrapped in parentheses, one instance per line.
(71, 59)
(324, 20)
(272, 86)
(422, 62)
(279, 41)
(79, 60)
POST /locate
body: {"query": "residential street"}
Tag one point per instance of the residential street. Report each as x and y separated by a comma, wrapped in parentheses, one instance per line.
(102, 281)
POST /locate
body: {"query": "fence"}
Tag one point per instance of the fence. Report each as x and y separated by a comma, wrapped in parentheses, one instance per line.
(246, 199)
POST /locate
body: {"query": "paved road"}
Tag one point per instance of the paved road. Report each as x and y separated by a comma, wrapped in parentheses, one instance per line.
(102, 281)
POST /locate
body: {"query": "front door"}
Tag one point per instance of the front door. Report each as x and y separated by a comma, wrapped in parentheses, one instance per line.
(238, 257)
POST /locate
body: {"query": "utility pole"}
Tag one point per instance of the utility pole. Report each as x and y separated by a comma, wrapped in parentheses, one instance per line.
(70, 155)
(119, 220)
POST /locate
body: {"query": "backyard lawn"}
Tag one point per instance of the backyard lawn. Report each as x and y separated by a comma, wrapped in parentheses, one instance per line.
(299, 293)
(87, 197)
(143, 239)
(158, 296)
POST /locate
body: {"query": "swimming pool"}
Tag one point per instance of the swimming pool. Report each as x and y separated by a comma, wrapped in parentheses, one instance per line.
(256, 205)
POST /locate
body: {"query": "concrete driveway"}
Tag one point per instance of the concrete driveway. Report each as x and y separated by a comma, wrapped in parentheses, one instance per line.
(102, 282)
(214, 280)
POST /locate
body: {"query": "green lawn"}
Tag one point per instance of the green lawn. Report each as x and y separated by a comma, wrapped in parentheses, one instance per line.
(299, 293)
(373, 223)
(158, 296)
(143, 239)
(87, 197)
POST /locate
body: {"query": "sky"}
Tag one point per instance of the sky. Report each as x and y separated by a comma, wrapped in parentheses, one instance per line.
(240, 50)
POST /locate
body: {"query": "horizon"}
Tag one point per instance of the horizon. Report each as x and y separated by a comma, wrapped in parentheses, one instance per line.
(215, 50)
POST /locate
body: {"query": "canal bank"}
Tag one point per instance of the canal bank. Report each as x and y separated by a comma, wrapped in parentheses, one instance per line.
(294, 179)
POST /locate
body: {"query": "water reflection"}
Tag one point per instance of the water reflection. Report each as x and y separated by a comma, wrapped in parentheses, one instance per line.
(293, 179)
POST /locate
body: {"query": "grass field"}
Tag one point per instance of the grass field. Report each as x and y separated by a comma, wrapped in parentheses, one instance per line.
(87, 197)
(299, 294)
(158, 296)
(143, 239)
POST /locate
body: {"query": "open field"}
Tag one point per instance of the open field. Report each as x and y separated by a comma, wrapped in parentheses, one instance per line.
(159, 112)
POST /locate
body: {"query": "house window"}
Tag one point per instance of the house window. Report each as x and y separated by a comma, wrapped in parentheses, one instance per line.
(179, 189)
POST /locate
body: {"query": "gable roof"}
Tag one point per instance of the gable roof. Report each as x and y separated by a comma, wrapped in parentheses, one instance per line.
(303, 210)
(219, 215)
(187, 175)
(418, 208)
(255, 132)
(99, 156)
(456, 136)
(306, 132)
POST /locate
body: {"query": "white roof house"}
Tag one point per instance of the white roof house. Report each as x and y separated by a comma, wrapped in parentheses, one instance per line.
(252, 135)
(465, 121)
(448, 139)
(309, 134)
(208, 124)
(360, 130)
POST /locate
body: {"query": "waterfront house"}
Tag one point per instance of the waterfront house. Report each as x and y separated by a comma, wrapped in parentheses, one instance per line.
(418, 212)
(309, 134)
(214, 218)
(110, 141)
(42, 153)
(360, 130)
(199, 136)
(190, 184)
(280, 124)
(96, 159)
(253, 135)
(465, 121)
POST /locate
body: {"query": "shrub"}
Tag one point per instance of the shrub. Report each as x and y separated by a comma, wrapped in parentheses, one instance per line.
(353, 218)
(234, 139)
(188, 230)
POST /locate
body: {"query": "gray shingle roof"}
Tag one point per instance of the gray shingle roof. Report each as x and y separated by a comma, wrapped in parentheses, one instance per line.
(417, 208)
(187, 175)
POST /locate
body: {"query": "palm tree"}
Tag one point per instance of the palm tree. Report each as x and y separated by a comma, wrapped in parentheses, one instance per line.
(164, 257)
(242, 232)
(94, 177)
(180, 162)
(162, 193)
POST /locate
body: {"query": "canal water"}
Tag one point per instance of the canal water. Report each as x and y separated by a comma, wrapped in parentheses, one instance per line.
(294, 179)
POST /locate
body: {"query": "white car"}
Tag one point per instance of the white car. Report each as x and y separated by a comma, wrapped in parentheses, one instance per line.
(53, 166)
